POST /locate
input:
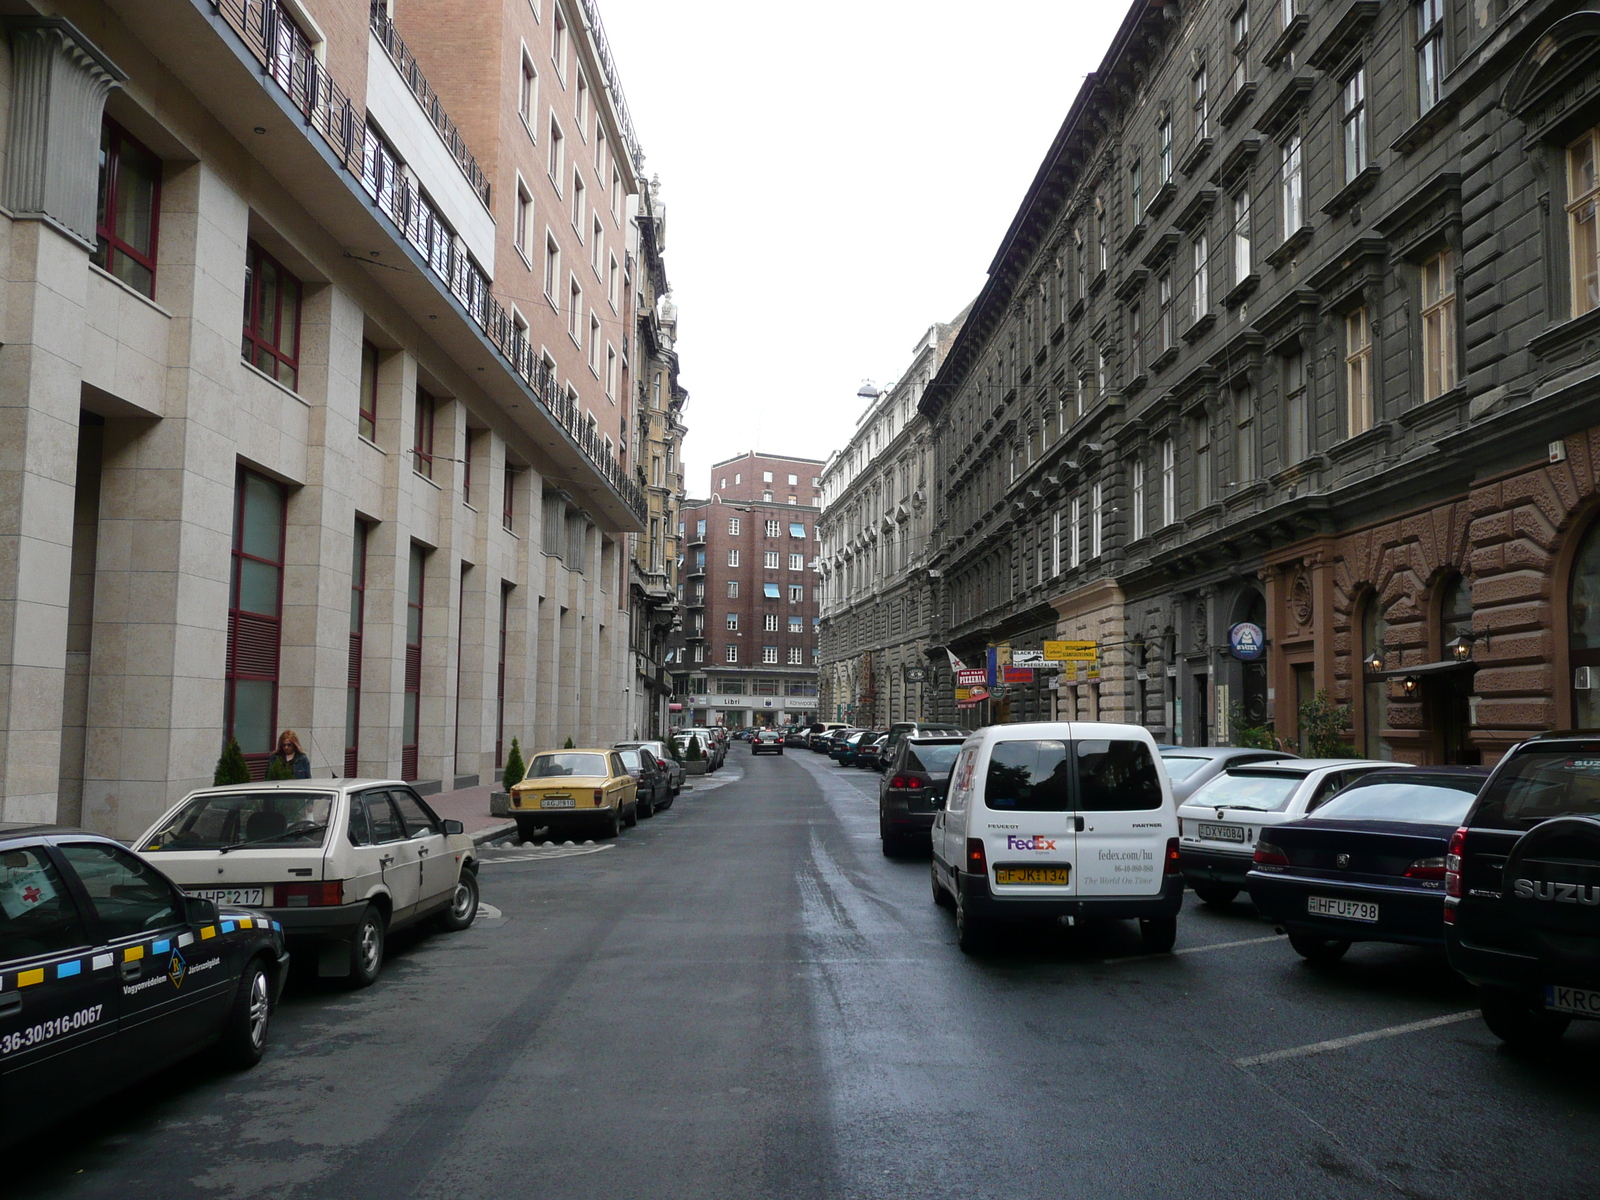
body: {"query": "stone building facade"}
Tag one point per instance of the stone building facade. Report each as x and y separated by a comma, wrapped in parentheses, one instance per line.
(1295, 327)
(875, 533)
(747, 652)
(389, 508)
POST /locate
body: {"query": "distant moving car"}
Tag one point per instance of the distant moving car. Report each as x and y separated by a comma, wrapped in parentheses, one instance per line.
(650, 786)
(795, 738)
(575, 791)
(663, 755)
(1220, 822)
(912, 789)
(1369, 865)
(1191, 767)
(1522, 890)
(109, 972)
(768, 741)
(340, 864)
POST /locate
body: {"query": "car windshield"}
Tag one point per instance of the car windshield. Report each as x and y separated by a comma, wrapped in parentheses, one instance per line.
(630, 759)
(1535, 786)
(935, 760)
(1181, 766)
(1422, 803)
(266, 818)
(1249, 791)
(552, 766)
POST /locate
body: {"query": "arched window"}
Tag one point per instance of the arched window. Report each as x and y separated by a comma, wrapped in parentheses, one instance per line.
(1455, 613)
(1583, 630)
(1375, 693)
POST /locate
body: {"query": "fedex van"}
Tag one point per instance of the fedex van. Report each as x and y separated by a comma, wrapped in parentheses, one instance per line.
(1058, 819)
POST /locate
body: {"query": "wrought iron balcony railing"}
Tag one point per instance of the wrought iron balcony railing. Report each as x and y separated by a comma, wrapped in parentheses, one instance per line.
(281, 47)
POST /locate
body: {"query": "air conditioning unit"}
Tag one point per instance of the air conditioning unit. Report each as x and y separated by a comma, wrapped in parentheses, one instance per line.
(1583, 679)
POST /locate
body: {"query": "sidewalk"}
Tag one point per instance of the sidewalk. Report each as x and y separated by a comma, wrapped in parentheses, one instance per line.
(470, 806)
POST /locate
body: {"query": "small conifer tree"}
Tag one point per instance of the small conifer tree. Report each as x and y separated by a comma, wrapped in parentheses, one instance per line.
(278, 769)
(515, 768)
(569, 745)
(231, 767)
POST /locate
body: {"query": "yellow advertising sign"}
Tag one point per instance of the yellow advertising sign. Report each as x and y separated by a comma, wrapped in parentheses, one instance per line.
(1071, 651)
(963, 693)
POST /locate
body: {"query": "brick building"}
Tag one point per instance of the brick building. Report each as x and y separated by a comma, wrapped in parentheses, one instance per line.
(751, 595)
(1296, 327)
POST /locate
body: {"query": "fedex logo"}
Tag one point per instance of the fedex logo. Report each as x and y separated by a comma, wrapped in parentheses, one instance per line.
(1030, 843)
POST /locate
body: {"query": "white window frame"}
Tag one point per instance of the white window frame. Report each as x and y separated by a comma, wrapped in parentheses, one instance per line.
(1439, 324)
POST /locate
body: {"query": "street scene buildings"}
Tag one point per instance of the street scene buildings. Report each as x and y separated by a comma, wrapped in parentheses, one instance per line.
(401, 509)
(747, 653)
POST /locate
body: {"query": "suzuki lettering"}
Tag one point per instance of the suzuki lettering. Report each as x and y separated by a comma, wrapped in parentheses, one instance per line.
(1560, 893)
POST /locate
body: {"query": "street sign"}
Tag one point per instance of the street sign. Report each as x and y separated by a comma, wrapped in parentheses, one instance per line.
(916, 674)
(1072, 651)
(1016, 675)
(1247, 641)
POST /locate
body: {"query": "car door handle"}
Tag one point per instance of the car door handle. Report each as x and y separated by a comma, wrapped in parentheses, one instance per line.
(386, 859)
(422, 852)
(132, 970)
(1077, 824)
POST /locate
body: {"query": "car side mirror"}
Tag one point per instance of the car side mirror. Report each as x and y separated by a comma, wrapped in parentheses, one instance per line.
(197, 911)
(452, 826)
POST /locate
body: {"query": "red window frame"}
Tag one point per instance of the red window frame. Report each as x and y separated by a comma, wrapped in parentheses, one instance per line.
(259, 349)
(255, 639)
(113, 138)
(500, 679)
(412, 714)
(358, 624)
(367, 412)
(422, 435)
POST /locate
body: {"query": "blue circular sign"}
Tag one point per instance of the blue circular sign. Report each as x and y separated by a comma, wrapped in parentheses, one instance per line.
(1247, 641)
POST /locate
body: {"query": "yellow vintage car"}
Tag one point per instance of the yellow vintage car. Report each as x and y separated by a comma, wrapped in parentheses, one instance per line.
(571, 792)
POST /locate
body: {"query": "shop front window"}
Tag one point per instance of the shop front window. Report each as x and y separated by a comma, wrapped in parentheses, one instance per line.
(1583, 617)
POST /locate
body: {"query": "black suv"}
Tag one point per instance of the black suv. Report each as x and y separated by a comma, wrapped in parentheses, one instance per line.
(1522, 889)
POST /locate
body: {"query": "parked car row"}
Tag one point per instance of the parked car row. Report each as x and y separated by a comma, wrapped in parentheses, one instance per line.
(595, 793)
(115, 963)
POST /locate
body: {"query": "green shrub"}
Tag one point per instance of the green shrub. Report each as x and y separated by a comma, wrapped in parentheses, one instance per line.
(569, 745)
(695, 753)
(1254, 737)
(231, 767)
(278, 769)
(515, 768)
(1322, 726)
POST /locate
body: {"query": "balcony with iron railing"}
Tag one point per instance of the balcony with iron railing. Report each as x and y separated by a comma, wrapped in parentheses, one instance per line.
(284, 55)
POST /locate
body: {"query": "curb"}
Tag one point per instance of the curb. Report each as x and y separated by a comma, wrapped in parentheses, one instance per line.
(479, 837)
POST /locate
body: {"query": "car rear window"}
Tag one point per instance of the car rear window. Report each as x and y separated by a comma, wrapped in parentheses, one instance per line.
(1117, 775)
(264, 818)
(630, 759)
(553, 766)
(1028, 776)
(1249, 791)
(1535, 786)
(1422, 803)
(1181, 766)
(935, 760)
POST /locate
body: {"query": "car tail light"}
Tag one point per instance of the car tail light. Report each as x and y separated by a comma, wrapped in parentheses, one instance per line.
(307, 895)
(1173, 866)
(908, 783)
(1268, 855)
(977, 859)
(599, 796)
(1452, 866)
(1426, 868)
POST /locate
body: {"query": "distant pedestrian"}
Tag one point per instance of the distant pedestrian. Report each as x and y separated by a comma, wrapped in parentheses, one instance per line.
(289, 758)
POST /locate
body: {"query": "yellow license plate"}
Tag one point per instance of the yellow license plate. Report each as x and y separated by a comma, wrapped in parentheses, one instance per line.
(1057, 875)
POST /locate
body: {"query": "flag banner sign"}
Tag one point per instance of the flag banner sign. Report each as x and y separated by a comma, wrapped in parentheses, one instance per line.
(1072, 651)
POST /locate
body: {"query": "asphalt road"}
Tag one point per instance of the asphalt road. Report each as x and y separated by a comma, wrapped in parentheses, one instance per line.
(742, 999)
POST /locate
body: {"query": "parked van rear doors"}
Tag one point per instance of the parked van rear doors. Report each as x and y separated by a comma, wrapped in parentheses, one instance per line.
(1122, 830)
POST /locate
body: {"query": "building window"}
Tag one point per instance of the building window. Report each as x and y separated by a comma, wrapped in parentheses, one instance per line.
(796, 656)
(733, 526)
(769, 591)
(1294, 208)
(422, 435)
(552, 268)
(1138, 499)
(614, 294)
(577, 203)
(733, 558)
(409, 717)
(769, 654)
(1297, 442)
(508, 493)
(1202, 460)
(766, 477)
(797, 562)
(731, 654)
(271, 317)
(797, 625)
(528, 94)
(1055, 543)
(358, 618)
(733, 589)
(1074, 537)
(1239, 36)
(1169, 483)
(1439, 324)
(797, 593)
(770, 623)
(1241, 238)
(1357, 372)
(594, 344)
(558, 156)
(367, 413)
(580, 105)
(522, 228)
(611, 371)
(466, 466)
(1201, 104)
(1354, 121)
(1430, 53)
(770, 560)
(128, 210)
(1135, 340)
(250, 697)
(733, 620)
(1164, 311)
(1202, 277)
(1164, 140)
(1583, 192)
(1375, 693)
(1102, 231)
(773, 528)
(1244, 431)
(1096, 519)
(1135, 190)
(797, 529)
(575, 312)
(1081, 260)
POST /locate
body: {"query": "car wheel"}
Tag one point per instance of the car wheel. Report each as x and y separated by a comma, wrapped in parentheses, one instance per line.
(1215, 895)
(972, 934)
(463, 907)
(611, 824)
(940, 897)
(366, 949)
(1517, 1023)
(631, 817)
(1319, 950)
(525, 829)
(646, 808)
(1158, 933)
(244, 1034)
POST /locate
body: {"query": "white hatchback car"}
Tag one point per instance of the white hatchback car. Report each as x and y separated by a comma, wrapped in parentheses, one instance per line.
(338, 864)
(1221, 822)
(1056, 820)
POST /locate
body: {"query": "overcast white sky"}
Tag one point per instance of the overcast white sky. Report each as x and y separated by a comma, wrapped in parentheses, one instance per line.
(836, 180)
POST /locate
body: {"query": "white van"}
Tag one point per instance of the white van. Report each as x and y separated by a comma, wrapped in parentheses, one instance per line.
(1055, 820)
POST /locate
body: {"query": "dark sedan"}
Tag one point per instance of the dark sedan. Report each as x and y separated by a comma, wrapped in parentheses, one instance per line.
(768, 741)
(870, 753)
(1369, 867)
(912, 790)
(850, 756)
(843, 743)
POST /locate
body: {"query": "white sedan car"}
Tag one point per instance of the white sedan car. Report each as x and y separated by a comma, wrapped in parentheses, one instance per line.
(340, 864)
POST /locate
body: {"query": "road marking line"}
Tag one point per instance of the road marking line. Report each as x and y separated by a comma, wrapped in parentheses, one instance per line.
(1355, 1039)
(488, 911)
(1255, 941)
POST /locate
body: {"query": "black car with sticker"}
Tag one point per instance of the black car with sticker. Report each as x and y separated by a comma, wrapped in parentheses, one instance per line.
(109, 972)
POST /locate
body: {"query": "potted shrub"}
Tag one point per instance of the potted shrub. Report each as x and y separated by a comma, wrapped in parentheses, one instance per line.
(515, 769)
(694, 758)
